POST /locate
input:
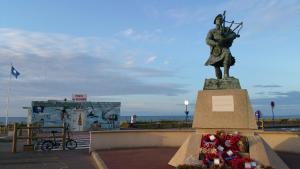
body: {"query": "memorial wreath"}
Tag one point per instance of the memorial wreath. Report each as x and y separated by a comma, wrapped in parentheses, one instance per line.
(222, 151)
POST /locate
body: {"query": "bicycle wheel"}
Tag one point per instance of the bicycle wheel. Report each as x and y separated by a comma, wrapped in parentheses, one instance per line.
(38, 144)
(47, 145)
(71, 144)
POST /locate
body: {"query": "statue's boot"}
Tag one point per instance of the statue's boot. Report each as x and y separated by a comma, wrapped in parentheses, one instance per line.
(218, 72)
(226, 71)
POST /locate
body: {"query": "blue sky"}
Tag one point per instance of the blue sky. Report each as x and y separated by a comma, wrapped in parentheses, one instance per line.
(149, 55)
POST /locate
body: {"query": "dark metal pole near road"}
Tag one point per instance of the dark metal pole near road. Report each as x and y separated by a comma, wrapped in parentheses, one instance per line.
(272, 106)
(186, 103)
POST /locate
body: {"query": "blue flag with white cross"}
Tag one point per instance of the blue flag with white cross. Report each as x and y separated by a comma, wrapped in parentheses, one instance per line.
(14, 72)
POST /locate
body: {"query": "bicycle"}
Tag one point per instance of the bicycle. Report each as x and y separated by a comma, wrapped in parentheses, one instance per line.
(48, 145)
(37, 139)
(71, 144)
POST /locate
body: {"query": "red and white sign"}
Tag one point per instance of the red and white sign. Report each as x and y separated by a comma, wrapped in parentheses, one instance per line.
(79, 97)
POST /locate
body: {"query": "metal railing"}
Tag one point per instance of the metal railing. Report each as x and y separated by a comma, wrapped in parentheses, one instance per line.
(5, 129)
(30, 135)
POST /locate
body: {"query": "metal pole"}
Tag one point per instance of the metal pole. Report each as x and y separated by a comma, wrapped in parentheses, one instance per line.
(29, 134)
(14, 143)
(272, 106)
(186, 114)
(64, 137)
(273, 117)
(8, 99)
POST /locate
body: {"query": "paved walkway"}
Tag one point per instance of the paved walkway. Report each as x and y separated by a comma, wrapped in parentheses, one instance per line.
(148, 158)
(76, 159)
(291, 159)
(158, 158)
(141, 158)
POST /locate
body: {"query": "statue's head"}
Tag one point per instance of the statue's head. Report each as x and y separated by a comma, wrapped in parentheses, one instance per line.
(218, 19)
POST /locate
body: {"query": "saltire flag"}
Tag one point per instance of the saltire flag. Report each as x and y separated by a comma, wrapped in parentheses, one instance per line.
(14, 72)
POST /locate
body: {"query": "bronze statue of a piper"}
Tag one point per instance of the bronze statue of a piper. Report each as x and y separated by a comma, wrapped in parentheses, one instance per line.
(220, 40)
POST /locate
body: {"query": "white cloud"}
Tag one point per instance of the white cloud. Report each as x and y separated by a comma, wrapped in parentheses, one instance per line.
(128, 32)
(135, 35)
(267, 14)
(167, 60)
(129, 63)
(19, 44)
(57, 65)
(258, 15)
(155, 35)
(151, 59)
(267, 86)
(180, 15)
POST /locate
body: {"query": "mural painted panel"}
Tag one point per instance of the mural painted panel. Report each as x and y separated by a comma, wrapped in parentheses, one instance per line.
(79, 116)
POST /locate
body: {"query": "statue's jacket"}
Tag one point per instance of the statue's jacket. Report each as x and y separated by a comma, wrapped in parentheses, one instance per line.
(217, 51)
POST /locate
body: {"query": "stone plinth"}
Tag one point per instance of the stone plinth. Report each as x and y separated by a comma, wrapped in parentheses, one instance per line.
(223, 105)
(217, 109)
(219, 84)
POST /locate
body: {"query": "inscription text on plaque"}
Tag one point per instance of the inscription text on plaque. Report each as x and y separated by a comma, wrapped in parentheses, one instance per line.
(222, 104)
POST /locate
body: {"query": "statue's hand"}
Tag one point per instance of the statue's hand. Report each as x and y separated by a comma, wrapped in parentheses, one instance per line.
(216, 43)
(221, 42)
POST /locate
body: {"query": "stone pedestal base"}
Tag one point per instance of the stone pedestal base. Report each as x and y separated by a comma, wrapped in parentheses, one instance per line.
(223, 105)
(221, 109)
(220, 84)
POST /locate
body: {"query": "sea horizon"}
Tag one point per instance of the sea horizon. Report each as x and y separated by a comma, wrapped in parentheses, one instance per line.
(22, 119)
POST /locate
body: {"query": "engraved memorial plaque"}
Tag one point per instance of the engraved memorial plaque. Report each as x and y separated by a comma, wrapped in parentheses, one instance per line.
(222, 104)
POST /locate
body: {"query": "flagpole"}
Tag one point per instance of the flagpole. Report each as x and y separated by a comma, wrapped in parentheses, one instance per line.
(8, 97)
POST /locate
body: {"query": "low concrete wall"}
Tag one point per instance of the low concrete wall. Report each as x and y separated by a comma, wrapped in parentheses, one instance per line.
(282, 141)
(278, 141)
(137, 138)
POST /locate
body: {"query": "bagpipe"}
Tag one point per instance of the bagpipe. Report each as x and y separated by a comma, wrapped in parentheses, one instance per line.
(229, 33)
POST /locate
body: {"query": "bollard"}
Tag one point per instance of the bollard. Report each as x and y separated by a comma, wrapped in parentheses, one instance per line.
(28, 133)
(14, 143)
(20, 132)
(64, 137)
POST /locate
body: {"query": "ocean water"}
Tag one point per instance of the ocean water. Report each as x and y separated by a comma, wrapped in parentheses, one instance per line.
(122, 118)
(13, 120)
(139, 118)
(283, 117)
(156, 118)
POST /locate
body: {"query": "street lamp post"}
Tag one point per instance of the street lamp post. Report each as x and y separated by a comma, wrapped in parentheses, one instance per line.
(272, 106)
(186, 103)
(258, 116)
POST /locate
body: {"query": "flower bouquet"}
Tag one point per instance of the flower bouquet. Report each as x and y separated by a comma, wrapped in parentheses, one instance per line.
(222, 151)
